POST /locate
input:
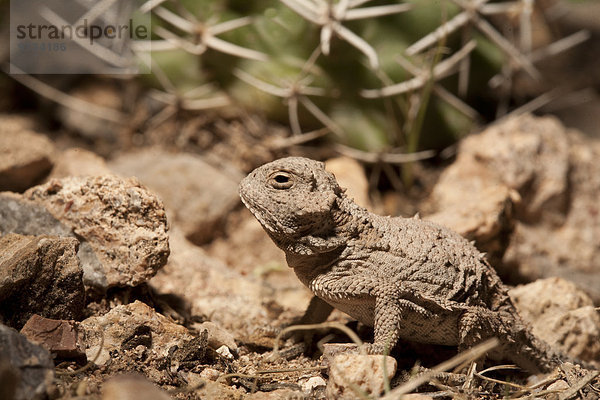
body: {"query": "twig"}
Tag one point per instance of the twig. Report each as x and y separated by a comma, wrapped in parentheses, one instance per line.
(572, 391)
(471, 354)
(335, 325)
(477, 374)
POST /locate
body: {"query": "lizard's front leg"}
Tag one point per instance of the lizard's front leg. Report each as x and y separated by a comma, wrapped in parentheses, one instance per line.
(317, 311)
(388, 315)
(392, 310)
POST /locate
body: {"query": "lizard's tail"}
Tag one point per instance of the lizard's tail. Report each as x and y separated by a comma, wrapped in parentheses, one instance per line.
(535, 355)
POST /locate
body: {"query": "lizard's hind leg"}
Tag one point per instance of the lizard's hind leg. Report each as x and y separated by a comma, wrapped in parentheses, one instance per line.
(516, 342)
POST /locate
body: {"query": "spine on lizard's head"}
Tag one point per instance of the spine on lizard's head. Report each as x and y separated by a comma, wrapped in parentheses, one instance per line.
(298, 203)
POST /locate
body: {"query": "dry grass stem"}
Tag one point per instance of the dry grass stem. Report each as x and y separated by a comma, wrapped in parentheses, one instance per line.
(471, 354)
(572, 391)
(332, 325)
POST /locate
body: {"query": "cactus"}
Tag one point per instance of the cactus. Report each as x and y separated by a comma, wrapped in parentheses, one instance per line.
(376, 74)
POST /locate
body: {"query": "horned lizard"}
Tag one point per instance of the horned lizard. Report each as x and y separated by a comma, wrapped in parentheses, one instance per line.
(406, 277)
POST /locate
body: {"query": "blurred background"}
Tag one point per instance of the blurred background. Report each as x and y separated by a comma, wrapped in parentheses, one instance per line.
(383, 82)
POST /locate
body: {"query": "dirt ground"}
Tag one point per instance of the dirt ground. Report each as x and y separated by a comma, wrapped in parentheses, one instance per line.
(205, 324)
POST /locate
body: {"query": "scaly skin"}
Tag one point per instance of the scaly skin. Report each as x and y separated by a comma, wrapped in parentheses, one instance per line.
(407, 278)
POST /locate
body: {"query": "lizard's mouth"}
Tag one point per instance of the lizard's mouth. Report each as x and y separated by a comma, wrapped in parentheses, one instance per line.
(265, 217)
(258, 214)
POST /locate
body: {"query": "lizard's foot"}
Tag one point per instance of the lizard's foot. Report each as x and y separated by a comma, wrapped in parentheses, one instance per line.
(447, 378)
(376, 348)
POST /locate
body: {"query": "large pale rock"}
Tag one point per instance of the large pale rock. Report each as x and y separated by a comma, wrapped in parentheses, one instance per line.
(478, 208)
(351, 176)
(366, 373)
(30, 364)
(25, 156)
(197, 195)
(122, 226)
(78, 162)
(515, 169)
(565, 241)
(562, 315)
(529, 155)
(128, 326)
(39, 275)
(526, 191)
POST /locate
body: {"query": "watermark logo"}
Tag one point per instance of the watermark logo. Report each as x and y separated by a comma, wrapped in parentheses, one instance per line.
(78, 37)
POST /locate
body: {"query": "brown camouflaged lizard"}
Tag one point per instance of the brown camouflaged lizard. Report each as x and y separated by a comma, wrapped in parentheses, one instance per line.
(407, 278)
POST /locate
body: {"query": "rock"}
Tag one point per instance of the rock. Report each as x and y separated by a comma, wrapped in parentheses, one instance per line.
(235, 302)
(565, 241)
(25, 156)
(108, 214)
(349, 372)
(78, 162)
(210, 374)
(529, 155)
(467, 201)
(59, 337)
(25, 217)
(122, 226)
(127, 326)
(132, 387)
(526, 191)
(207, 389)
(562, 315)
(416, 396)
(31, 364)
(312, 384)
(91, 127)
(351, 176)
(197, 195)
(39, 275)
(217, 336)
(224, 352)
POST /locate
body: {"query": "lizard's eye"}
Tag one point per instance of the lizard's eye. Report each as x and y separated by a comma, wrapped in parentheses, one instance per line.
(281, 180)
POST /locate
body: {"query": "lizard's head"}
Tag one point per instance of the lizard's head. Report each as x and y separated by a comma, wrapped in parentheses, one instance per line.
(291, 197)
